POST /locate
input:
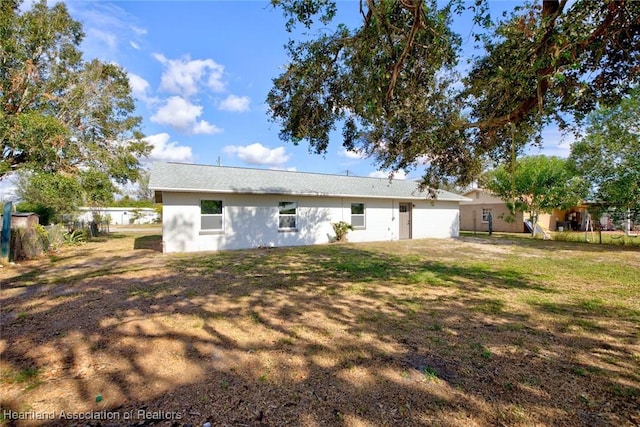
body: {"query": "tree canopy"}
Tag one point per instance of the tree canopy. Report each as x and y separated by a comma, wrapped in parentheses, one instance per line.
(536, 184)
(60, 114)
(393, 84)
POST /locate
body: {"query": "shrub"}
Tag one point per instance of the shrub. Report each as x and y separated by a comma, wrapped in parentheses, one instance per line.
(75, 237)
(56, 234)
(341, 229)
(28, 243)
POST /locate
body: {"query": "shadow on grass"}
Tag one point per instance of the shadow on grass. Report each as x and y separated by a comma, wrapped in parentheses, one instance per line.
(152, 242)
(332, 334)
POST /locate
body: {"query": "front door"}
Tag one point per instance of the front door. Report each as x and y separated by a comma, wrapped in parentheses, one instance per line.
(405, 220)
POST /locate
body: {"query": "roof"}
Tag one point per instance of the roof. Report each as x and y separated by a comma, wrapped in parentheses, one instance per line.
(182, 177)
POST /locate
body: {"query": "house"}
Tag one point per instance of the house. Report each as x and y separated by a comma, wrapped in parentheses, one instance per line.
(215, 208)
(474, 213)
(119, 215)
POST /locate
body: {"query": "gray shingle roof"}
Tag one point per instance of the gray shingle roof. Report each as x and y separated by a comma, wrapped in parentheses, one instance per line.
(223, 179)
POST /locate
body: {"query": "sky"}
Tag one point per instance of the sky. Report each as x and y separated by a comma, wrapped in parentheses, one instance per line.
(200, 72)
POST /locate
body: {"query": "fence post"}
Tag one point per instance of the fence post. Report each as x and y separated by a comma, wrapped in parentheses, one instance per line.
(5, 236)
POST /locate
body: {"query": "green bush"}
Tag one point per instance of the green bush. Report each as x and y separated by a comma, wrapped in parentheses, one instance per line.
(75, 237)
(341, 229)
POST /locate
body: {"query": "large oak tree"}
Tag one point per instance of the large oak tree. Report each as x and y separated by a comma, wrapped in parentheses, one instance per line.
(392, 83)
(61, 115)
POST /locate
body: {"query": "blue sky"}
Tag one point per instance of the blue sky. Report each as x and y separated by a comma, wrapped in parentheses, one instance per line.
(201, 70)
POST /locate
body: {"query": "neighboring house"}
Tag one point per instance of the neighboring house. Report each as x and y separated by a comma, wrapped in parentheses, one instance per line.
(214, 208)
(121, 216)
(474, 213)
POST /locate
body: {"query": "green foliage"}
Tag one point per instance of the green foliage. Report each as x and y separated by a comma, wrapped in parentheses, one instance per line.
(391, 83)
(45, 213)
(54, 194)
(75, 237)
(60, 114)
(128, 202)
(607, 156)
(536, 184)
(341, 229)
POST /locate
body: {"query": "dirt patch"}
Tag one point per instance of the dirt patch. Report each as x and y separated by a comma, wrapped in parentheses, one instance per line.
(428, 332)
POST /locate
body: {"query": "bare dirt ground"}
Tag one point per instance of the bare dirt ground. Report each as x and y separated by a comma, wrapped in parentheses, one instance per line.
(468, 332)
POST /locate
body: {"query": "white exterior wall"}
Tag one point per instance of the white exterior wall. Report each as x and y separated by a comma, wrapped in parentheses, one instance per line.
(119, 216)
(251, 221)
(442, 220)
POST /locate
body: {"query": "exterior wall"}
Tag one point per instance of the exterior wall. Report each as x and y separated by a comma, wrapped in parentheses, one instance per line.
(251, 221)
(471, 218)
(120, 216)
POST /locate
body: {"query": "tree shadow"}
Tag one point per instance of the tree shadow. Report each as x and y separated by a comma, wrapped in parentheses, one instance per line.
(330, 334)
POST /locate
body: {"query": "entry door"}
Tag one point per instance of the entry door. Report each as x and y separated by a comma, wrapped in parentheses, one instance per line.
(405, 220)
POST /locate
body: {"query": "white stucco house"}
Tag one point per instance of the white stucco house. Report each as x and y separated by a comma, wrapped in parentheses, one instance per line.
(209, 208)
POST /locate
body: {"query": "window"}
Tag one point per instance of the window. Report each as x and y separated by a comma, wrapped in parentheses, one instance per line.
(357, 215)
(287, 215)
(211, 214)
(485, 215)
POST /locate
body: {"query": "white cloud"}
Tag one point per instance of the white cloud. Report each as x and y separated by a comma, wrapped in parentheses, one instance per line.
(182, 115)
(399, 175)
(205, 128)
(555, 143)
(349, 154)
(105, 37)
(258, 154)
(107, 27)
(186, 77)
(139, 87)
(138, 30)
(235, 103)
(168, 151)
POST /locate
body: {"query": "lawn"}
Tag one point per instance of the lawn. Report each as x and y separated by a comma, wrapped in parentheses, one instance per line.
(478, 331)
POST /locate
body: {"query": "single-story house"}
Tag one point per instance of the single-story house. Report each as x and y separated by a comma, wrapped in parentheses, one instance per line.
(208, 208)
(474, 215)
(119, 215)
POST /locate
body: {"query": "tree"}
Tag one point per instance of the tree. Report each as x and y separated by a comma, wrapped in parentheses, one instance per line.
(607, 156)
(57, 195)
(536, 184)
(142, 191)
(391, 83)
(61, 115)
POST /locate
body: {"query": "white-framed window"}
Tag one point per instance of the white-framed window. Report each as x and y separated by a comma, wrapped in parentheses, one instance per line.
(357, 215)
(287, 215)
(211, 215)
(485, 214)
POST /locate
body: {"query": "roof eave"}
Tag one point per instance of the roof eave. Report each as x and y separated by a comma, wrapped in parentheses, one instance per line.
(308, 194)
